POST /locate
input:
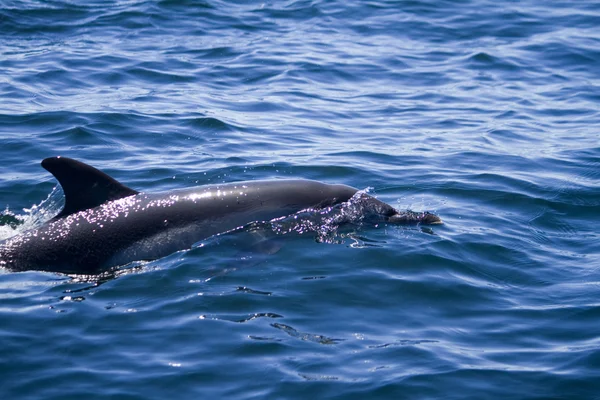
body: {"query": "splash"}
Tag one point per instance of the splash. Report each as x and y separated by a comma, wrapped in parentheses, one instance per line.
(334, 224)
(12, 224)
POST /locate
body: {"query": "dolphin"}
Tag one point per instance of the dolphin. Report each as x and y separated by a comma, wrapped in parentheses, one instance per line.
(105, 224)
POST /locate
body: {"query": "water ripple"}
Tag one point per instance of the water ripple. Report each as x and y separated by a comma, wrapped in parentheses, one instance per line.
(483, 112)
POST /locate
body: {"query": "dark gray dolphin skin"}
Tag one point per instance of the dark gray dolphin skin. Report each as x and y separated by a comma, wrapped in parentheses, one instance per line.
(105, 224)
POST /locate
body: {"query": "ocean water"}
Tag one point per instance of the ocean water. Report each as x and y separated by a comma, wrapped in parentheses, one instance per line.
(487, 113)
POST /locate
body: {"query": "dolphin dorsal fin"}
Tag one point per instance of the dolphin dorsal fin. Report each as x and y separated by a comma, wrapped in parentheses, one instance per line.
(84, 186)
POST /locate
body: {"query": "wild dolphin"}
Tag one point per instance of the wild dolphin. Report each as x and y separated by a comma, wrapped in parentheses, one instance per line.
(105, 224)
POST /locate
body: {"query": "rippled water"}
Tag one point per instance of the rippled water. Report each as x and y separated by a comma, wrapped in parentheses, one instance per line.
(484, 112)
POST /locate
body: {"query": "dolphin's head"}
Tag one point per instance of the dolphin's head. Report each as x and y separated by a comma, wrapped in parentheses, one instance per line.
(393, 216)
(412, 217)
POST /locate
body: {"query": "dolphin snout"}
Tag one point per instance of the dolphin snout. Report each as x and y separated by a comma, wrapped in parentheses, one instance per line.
(411, 217)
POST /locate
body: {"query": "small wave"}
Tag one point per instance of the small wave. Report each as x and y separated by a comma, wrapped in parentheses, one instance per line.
(311, 337)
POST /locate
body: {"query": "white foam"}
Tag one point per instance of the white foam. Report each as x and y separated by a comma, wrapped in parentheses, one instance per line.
(34, 216)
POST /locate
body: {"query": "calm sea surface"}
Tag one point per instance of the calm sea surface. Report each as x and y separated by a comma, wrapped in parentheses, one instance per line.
(485, 112)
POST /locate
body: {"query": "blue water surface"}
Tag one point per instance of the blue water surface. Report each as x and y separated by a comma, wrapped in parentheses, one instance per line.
(484, 112)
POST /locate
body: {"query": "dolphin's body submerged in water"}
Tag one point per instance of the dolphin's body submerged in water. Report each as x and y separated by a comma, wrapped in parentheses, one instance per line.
(105, 224)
